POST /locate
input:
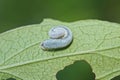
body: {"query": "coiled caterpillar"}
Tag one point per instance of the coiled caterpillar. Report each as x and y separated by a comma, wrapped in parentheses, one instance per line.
(60, 37)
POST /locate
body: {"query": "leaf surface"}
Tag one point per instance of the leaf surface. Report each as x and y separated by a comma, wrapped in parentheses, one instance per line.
(97, 42)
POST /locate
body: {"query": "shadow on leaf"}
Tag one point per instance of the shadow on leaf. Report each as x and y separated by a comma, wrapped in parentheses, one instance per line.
(79, 70)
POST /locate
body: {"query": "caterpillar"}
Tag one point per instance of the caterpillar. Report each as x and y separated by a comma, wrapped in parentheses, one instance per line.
(60, 37)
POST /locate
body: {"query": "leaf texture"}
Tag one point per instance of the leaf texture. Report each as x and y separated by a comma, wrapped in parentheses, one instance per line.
(97, 42)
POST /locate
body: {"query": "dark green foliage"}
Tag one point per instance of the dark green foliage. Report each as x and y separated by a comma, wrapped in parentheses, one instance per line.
(23, 12)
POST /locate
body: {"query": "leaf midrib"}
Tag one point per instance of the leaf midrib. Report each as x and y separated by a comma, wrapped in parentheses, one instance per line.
(2, 69)
(59, 56)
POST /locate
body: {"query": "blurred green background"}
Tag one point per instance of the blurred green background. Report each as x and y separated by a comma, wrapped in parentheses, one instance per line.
(16, 13)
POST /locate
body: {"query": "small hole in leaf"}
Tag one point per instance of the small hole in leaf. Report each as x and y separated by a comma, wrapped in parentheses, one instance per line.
(116, 78)
(11, 79)
(79, 70)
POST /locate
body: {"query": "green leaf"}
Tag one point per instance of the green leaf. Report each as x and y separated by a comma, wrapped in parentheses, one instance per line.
(97, 42)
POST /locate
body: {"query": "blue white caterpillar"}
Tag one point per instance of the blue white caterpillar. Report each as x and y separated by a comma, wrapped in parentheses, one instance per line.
(60, 37)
